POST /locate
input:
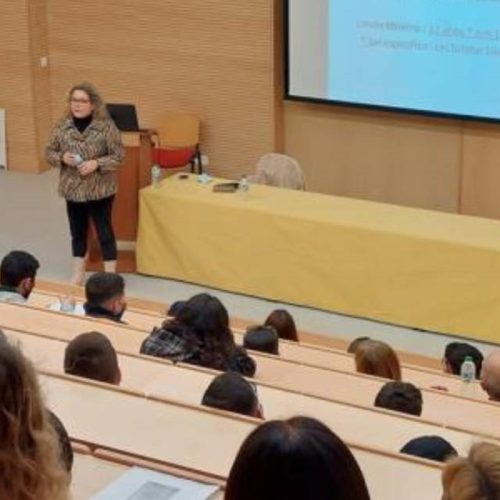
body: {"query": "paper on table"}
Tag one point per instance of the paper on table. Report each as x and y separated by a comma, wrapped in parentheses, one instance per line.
(143, 484)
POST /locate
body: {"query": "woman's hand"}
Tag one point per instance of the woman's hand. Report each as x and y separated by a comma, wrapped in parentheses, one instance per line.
(87, 167)
(69, 159)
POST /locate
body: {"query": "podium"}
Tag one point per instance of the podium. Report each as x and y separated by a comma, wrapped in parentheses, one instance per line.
(134, 174)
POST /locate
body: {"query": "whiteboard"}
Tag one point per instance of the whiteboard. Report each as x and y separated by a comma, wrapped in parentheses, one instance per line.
(3, 143)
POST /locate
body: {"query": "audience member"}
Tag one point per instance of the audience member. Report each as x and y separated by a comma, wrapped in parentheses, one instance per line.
(31, 464)
(429, 447)
(490, 376)
(373, 357)
(174, 309)
(476, 477)
(282, 321)
(91, 355)
(355, 343)
(17, 276)
(400, 396)
(105, 296)
(296, 459)
(66, 450)
(200, 335)
(231, 392)
(455, 354)
(261, 338)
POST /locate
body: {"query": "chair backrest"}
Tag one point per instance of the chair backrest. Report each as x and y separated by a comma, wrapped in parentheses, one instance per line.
(279, 170)
(178, 130)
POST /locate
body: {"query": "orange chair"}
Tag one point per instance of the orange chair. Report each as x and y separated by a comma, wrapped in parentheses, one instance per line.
(178, 142)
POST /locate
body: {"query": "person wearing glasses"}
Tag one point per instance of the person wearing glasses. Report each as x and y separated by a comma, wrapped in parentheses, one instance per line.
(86, 145)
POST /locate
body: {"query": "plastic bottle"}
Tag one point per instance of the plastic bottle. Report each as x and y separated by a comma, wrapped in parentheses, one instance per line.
(155, 175)
(468, 370)
(244, 186)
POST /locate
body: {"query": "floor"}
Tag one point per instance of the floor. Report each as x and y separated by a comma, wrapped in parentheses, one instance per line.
(33, 218)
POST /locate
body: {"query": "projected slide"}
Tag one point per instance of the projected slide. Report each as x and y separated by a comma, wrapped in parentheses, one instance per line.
(438, 56)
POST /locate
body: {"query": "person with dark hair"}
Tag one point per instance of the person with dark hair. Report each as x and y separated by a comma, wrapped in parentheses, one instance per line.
(86, 147)
(174, 308)
(231, 392)
(282, 321)
(17, 276)
(400, 396)
(295, 459)
(261, 338)
(373, 357)
(355, 344)
(430, 447)
(490, 376)
(91, 355)
(105, 296)
(200, 335)
(455, 354)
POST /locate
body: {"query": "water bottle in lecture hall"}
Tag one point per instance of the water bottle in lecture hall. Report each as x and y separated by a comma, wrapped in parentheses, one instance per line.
(468, 370)
(244, 186)
(155, 175)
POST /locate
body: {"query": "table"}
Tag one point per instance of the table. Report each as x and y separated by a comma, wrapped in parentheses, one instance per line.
(405, 266)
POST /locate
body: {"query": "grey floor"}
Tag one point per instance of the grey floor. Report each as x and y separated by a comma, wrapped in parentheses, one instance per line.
(33, 218)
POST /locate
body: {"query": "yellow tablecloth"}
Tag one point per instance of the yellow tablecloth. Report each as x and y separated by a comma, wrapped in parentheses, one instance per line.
(406, 266)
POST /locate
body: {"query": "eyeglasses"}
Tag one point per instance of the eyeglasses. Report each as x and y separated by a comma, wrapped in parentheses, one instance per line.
(79, 101)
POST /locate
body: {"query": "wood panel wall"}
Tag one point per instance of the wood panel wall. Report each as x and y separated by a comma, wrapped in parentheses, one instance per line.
(213, 59)
(16, 86)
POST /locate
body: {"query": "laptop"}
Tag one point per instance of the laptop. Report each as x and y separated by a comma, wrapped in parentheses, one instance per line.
(124, 116)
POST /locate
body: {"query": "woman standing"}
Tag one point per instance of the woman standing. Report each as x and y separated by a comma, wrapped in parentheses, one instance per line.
(87, 147)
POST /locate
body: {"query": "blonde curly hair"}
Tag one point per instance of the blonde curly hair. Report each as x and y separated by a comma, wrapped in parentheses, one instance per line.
(31, 467)
(100, 111)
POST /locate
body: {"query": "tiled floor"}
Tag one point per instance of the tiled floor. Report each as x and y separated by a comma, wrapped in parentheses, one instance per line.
(33, 218)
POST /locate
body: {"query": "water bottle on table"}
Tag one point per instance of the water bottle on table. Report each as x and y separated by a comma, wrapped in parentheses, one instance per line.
(244, 186)
(468, 376)
(155, 175)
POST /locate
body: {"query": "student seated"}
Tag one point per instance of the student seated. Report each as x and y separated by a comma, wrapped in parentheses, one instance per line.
(261, 338)
(490, 376)
(105, 296)
(91, 355)
(31, 461)
(355, 343)
(231, 392)
(400, 396)
(17, 276)
(373, 357)
(200, 335)
(295, 459)
(282, 321)
(475, 477)
(174, 308)
(430, 447)
(455, 354)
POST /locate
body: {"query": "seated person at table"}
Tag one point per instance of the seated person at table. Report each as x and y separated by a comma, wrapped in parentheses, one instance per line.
(91, 355)
(200, 335)
(355, 344)
(282, 321)
(231, 392)
(430, 447)
(455, 354)
(373, 357)
(490, 376)
(475, 477)
(105, 296)
(400, 396)
(261, 338)
(295, 459)
(32, 460)
(174, 309)
(17, 276)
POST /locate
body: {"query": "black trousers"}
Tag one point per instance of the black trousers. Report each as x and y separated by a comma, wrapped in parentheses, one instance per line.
(79, 215)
